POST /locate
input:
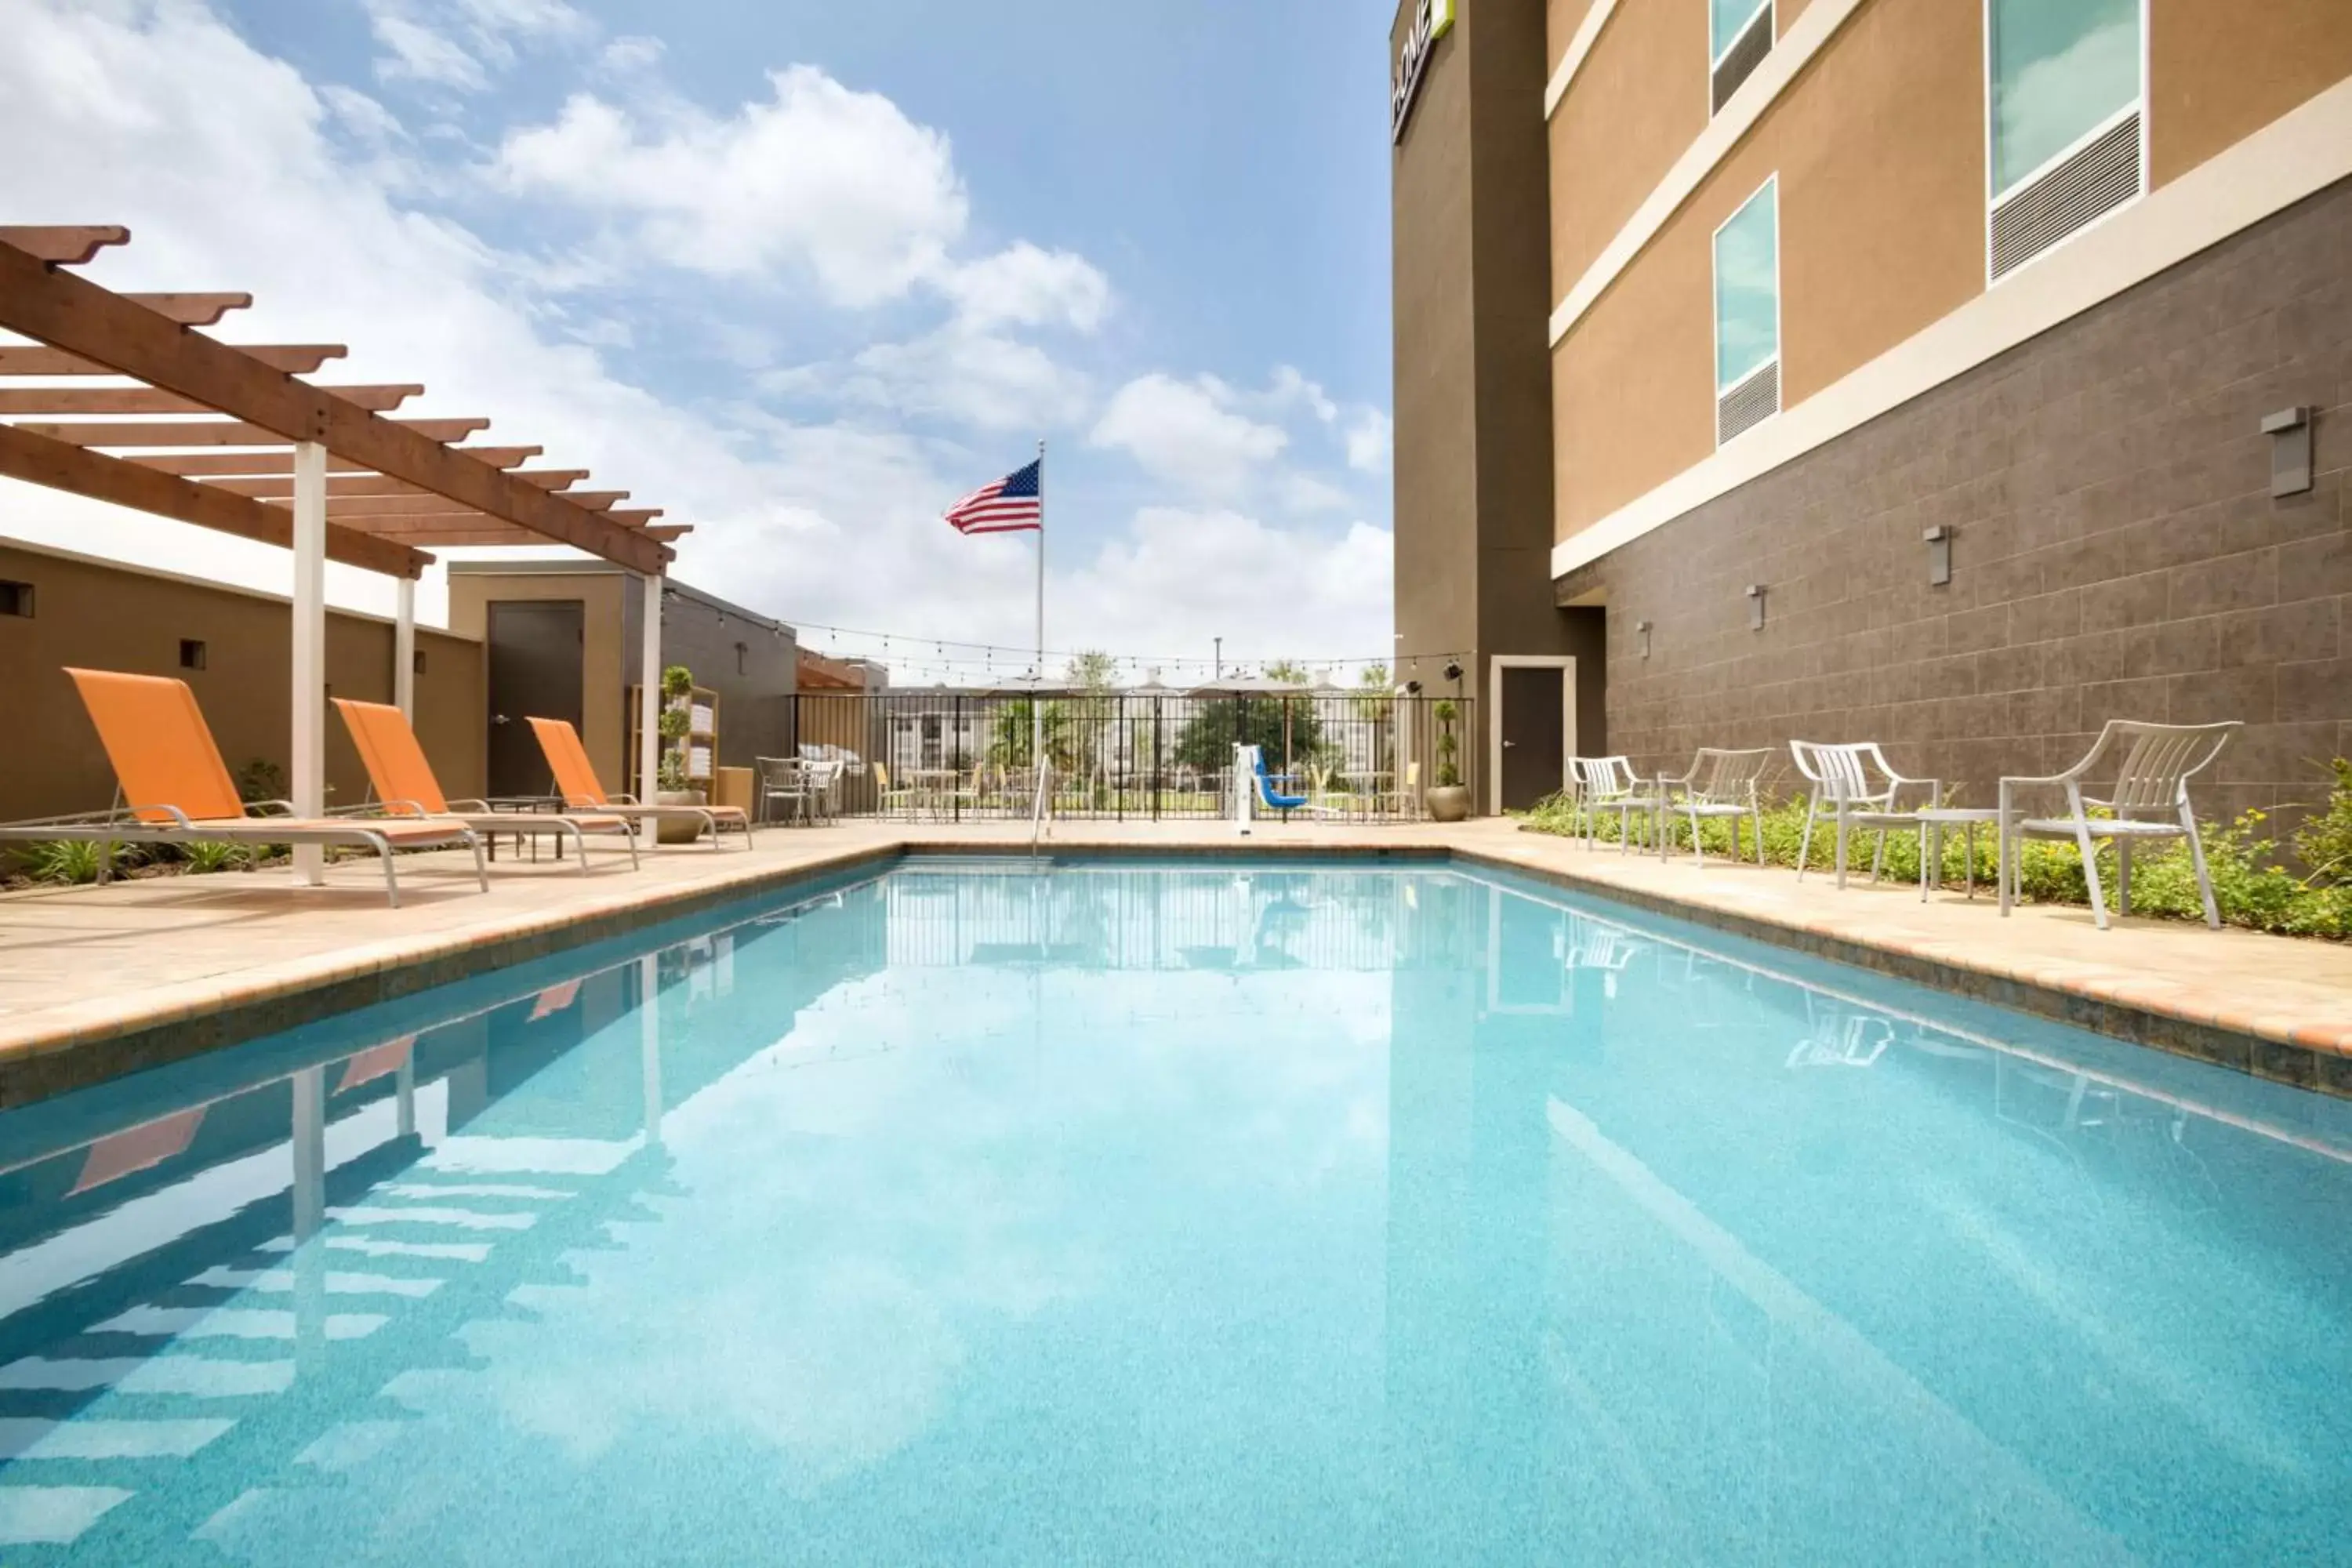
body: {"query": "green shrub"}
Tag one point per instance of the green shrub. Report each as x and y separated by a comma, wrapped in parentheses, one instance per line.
(2249, 886)
(260, 779)
(69, 860)
(2325, 841)
(202, 859)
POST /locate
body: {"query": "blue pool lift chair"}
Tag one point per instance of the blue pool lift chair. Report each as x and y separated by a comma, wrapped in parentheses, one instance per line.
(1268, 794)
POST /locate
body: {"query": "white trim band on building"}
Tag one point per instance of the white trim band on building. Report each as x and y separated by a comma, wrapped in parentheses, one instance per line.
(2297, 155)
(1806, 36)
(1587, 33)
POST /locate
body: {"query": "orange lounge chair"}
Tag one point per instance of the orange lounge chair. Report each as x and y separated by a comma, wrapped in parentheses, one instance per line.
(575, 781)
(178, 790)
(406, 789)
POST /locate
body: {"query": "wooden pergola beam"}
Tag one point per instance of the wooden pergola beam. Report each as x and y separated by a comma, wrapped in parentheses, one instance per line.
(281, 461)
(35, 458)
(294, 359)
(55, 307)
(452, 532)
(80, 400)
(188, 309)
(553, 478)
(227, 432)
(277, 489)
(64, 245)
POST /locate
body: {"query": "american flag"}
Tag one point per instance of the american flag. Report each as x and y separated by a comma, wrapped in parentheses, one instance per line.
(1014, 504)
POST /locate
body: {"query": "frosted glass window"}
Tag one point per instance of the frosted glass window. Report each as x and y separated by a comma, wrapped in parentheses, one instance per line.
(1747, 290)
(2060, 69)
(1728, 19)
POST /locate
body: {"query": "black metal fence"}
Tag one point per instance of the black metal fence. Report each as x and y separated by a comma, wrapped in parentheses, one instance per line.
(950, 755)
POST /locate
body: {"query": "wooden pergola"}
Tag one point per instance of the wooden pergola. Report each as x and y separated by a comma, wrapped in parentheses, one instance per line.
(120, 397)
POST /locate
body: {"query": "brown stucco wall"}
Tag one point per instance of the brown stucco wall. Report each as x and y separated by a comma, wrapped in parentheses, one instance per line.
(603, 676)
(100, 615)
(2117, 553)
(2221, 72)
(1473, 468)
(1638, 101)
(1436, 403)
(1561, 18)
(1879, 152)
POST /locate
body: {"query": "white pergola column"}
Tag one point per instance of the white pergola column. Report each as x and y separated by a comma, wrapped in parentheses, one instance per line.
(649, 694)
(404, 651)
(307, 765)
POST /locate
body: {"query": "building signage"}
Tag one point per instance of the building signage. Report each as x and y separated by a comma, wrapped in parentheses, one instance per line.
(1432, 20)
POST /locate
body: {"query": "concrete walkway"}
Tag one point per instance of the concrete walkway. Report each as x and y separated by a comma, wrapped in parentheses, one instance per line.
(97, 981)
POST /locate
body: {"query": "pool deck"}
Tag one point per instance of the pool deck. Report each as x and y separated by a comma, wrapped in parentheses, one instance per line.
(95, 982)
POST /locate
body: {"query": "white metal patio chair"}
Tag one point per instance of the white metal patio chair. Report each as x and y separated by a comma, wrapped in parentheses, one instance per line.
(1719, 783)
(1859, 788)
(2150, 802)
(1609, 783)
(783, 783)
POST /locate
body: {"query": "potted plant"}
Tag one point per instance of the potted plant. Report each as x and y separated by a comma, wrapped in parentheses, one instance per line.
(675, 726)
(1447, 800)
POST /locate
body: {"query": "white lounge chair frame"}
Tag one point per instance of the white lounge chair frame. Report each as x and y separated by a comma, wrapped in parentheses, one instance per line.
(1860, 788)
(2150, 801)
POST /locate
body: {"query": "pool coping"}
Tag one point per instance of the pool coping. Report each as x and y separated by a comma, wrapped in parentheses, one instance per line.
(94, 1042)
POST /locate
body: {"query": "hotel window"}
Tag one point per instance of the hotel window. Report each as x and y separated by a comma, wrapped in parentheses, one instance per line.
(1739, 34)
(2066, 111)
(1748, 314)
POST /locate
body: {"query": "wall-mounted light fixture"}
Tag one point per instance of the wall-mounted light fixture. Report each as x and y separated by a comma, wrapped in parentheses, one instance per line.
(2290, 432)
(1642, 630)
(1755, 606)
(1939, 555)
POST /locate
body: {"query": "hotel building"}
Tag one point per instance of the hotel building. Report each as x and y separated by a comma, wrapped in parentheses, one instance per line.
(1954, 373)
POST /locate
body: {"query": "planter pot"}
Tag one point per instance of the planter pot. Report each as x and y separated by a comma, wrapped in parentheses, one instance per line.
(678, 829)
(1447, 803)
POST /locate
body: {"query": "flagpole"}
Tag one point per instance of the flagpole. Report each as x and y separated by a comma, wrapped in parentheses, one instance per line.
(1038, 689)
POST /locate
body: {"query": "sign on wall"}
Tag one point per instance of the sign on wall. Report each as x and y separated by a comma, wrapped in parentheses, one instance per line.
(1432, 20)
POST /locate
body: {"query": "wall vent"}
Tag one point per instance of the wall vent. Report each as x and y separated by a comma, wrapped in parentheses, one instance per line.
(1749, 404)
(1740, 60)
(2097, 180)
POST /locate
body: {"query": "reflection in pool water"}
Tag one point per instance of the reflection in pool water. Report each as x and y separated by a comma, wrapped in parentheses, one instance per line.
(1193, 1214)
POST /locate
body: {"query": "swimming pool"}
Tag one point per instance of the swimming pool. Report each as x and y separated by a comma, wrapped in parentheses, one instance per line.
(1205, 1213)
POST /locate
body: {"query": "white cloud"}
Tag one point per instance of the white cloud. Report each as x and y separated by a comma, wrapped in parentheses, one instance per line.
(833, 516)
(1186, 433)
(1178, 573)
(630, 52)
(1370, 436)
(1025, 286)
(415, 52)
(459, 44)
(817, 178)
(1293, 389)
(976, 378)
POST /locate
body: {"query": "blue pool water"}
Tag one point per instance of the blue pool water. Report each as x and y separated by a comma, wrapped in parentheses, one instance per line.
(1149, 1213)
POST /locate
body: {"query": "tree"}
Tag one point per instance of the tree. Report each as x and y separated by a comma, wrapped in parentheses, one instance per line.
(1285, 728)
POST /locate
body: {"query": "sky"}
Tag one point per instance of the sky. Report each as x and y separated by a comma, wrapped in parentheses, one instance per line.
(801, 274)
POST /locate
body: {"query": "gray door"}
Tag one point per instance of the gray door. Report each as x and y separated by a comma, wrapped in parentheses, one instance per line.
(1534, 734)
(535, 673)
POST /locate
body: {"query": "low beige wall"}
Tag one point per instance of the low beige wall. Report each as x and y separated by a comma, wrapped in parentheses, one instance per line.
(103, 616)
